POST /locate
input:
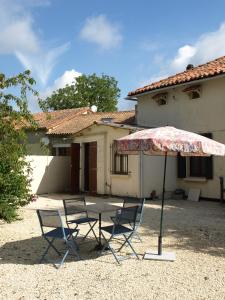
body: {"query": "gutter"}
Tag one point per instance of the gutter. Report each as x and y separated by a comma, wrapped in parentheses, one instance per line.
(135, 97)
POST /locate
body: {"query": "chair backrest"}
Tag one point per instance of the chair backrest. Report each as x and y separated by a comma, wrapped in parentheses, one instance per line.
(129, 202)
(74, 206)
(126, 215)
(49, 218)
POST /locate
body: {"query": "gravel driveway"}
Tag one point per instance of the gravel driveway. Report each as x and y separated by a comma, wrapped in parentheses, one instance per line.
(195, 231)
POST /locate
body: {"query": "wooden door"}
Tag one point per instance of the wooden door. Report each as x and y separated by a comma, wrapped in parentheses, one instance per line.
(75, 168)
(86, 167)
(93, 168)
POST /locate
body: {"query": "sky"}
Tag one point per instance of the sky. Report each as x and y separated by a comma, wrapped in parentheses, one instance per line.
(137, 42)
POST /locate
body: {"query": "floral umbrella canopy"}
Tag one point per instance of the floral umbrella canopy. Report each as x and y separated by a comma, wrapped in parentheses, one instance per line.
(168, 141)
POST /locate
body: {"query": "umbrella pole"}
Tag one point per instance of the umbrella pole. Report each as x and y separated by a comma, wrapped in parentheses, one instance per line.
(141, 174)
(162, 209)
(158, 255)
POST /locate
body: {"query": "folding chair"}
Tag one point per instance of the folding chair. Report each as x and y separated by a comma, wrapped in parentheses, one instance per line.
(124, 216)
(128, 202)
(76, 214)
(52, 219)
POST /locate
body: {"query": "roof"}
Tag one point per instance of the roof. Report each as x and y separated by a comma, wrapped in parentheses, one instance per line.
(132, 128)
(210, 69)
(121, 126)
(50, 120)
(81, 121)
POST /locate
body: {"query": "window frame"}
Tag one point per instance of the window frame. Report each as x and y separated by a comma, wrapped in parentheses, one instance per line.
(119, 162)
(184, 165)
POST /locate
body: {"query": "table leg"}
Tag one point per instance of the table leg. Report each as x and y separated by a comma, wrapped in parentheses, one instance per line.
(99, 246)
(100, 225)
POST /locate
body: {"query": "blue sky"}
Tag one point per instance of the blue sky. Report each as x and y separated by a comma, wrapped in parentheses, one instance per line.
(137, 42)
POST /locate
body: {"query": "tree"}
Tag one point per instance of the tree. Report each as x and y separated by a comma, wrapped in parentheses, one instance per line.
(14, 169)
(88, 90)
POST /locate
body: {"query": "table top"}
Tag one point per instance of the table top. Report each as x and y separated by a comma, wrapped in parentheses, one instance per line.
(102, 207)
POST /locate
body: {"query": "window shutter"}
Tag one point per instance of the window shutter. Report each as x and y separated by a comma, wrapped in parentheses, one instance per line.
(208, 135)
(209, 161)
(181, 166)
(209, 167)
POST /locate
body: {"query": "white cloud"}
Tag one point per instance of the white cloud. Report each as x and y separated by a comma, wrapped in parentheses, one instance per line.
(100, 31)
(42, 63)
(18, 37)
(67, 78)
(208, 47)
(16, 29)
(183, 57)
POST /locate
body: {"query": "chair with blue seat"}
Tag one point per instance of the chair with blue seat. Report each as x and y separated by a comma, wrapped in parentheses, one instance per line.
(128, 202)
(76, 214)
(123, 225)
(52, 229)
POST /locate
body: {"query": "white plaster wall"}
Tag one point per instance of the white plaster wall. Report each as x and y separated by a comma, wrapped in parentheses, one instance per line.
(153, 168)
(108, 183)
(123, 185)
(206, 114)
(51, 174)
(200, 115)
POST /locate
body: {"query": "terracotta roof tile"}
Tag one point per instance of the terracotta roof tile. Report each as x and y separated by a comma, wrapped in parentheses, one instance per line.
(79, 122)
(210, 69)
(52, 119)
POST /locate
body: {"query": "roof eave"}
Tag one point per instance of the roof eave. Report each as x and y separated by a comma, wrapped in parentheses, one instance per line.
(176, 85)
(131, 98)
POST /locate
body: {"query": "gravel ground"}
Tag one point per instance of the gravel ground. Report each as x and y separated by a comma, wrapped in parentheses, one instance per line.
(195, 231)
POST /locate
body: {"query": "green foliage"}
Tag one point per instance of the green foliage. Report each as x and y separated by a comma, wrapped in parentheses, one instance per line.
(14, 169)
(88, 90)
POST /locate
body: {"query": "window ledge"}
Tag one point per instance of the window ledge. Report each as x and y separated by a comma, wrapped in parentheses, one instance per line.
(196, 179)
(121, 175)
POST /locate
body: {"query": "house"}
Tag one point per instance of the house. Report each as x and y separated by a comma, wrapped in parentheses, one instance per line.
(192, 100)
(47, 122)
(82, 156)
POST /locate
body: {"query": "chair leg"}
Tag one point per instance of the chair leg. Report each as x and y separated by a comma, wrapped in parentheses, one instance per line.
(71, 245)
(62, 261)
(124, 243)
(107, 244)
(74, 247)
(137, 236)
(75, 228)
(47, 249)
(128, 242)
(44, 254)
(91, 229)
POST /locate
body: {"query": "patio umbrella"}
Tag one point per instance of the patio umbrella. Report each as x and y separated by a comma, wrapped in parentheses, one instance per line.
(168, 141)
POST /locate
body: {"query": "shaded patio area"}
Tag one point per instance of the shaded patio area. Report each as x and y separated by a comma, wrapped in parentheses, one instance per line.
(194, 230)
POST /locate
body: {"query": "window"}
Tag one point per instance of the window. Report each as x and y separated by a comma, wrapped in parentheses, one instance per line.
(193, 91)
(119, 162)
(194, 95)
(195, 166)
(61, 151)
(161, 98)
